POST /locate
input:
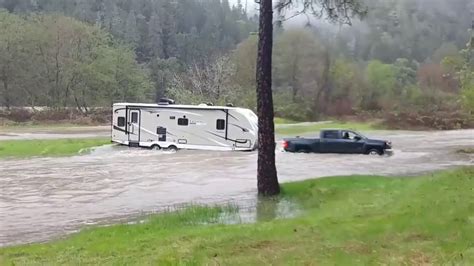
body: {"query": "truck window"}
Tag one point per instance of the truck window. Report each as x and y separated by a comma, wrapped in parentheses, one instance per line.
(352, 135)
(120, 121)
(331, 134)
(183, 121)
(345, 135)
(220, 124)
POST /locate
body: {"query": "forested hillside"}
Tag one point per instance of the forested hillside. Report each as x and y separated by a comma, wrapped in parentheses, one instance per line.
(407, 59)
(165, 36)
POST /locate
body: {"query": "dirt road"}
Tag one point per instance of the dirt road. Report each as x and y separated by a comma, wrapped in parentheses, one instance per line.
(44, 198)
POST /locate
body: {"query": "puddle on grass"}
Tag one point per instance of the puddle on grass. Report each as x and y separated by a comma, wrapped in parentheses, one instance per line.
(242, 212)
(261, 210)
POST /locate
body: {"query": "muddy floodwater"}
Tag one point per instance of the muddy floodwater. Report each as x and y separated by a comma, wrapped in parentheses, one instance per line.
(45, 198)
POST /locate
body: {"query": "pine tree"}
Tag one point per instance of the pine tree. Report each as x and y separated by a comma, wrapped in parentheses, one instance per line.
(131, 31)
(154, 36)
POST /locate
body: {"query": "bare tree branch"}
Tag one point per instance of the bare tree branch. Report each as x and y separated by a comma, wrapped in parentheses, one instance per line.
(335, 11)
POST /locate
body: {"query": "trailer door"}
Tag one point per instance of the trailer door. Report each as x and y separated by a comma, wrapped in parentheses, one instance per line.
(134, 125)
(221, 125)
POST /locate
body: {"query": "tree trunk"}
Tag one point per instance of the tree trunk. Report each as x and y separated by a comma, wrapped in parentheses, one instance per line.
(266, 170)
(327, 80)
(294, 85)
(161, 90)
(321, 105)
(6, 95)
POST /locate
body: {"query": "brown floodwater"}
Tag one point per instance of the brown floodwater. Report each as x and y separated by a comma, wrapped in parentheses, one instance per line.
(45, 198)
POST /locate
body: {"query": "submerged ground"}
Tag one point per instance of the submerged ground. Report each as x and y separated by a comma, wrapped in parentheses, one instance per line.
(355, 220)
(43, 198)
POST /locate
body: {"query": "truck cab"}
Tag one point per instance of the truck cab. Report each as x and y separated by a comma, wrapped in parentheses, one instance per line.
(338, 141)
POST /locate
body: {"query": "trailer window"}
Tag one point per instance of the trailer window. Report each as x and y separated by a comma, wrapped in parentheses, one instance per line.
(160, 130)
(220, 124)
(183, 121)
(134, 117)
(121, 121)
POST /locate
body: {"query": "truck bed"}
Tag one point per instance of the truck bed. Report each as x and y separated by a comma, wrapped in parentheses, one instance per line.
(302, 144)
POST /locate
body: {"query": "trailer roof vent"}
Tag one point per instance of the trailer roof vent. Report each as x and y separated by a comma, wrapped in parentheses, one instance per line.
(165, 101)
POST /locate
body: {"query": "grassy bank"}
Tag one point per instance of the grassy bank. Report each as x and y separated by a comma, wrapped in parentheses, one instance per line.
(282, 129)
(39, 125)
(279, 120)
(356, 220)
(57, 128)
(50, 147)
(466, 151)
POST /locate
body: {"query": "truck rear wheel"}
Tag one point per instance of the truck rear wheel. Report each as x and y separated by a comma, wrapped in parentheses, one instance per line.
(302, 151)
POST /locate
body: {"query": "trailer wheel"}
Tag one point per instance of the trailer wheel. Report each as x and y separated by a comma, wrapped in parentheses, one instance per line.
(172, 148)
(155, 147)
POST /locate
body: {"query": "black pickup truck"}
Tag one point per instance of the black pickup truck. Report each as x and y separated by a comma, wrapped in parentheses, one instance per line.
(338, 141)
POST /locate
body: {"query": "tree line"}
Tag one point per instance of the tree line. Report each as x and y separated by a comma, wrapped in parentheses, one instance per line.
(404, 55)
(156, 38)
(417, 61)
(56, 61)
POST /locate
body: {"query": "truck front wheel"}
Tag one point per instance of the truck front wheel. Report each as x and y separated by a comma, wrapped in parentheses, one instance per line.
(375, 152)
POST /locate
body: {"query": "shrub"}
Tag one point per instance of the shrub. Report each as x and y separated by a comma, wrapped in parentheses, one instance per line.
(286, 108)
(441, 120)
(54, 115)
(17, 115)
(101, 116)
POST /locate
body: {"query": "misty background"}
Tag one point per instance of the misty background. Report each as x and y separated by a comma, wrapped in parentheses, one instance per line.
(408, 60)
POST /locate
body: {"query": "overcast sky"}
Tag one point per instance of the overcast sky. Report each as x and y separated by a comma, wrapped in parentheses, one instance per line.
(250, 5)
(252, 9)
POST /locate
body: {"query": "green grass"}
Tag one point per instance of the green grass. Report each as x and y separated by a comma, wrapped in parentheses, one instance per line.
(40, 124)
(357, 220)
(28, 127)
(309, 128)
(53, 147)
(279, 120)
(466, 151)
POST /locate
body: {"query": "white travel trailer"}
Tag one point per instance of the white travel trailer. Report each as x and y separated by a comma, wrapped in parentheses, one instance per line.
(171, 126)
